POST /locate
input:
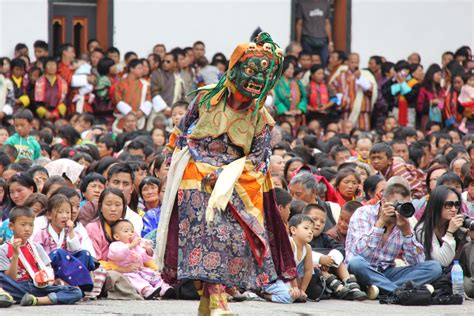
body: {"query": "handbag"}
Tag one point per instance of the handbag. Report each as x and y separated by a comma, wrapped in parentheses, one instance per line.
(409, 294)
(435, 114)
(316, 290)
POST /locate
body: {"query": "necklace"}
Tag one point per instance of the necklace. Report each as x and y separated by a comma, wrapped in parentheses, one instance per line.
(286, 85)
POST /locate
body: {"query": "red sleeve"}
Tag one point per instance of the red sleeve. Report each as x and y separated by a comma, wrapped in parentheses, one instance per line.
(65, 73)
(422, 98)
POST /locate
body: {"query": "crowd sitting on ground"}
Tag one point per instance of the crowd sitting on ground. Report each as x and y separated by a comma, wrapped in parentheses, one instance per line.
(83, 166)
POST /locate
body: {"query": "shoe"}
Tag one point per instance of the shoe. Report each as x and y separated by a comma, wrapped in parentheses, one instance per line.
(430, 288)
(336, 287)
(356, 295)
(238, 297)
(372, 292)
(6, 300)
(29, 300)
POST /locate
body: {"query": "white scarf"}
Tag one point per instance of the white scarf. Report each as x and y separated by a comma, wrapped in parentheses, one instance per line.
(58, 239)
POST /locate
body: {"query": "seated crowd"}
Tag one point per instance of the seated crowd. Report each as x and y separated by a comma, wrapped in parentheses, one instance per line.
(83, 168)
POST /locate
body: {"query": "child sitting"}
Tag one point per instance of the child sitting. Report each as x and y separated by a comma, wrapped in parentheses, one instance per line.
(129, 249)
(26, 145)
(328, 255)
(301, 231)
(339, 232)
(71, 264)
(300, 227)
(25, 266)
(37, 202)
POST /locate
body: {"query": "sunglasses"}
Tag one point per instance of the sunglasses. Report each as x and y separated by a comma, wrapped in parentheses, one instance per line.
(450, 204)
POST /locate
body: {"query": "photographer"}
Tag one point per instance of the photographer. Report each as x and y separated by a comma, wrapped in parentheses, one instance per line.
(438, 228)
(376, 236)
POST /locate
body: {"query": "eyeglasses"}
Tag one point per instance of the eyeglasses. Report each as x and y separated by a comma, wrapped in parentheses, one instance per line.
(451, 204)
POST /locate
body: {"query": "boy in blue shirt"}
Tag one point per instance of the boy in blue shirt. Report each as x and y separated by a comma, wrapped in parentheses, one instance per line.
(26, 145)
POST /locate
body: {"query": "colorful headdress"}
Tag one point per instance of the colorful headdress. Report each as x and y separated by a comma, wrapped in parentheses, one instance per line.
(263, 45)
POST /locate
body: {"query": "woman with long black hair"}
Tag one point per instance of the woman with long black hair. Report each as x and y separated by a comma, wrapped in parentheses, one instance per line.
(438, 227)
(431, 97)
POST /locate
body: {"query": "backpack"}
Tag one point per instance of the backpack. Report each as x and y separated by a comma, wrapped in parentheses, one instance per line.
(316, 290)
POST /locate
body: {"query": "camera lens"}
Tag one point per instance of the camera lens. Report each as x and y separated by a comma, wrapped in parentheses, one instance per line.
(405, 209)
(468, 223)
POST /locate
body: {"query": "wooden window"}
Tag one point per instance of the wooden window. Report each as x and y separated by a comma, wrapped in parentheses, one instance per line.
(59, 31)
(80, 34)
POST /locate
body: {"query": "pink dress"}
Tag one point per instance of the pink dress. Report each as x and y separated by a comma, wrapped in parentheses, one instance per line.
(144, 278)
(99, 241)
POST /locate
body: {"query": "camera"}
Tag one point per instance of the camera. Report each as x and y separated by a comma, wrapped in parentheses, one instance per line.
(406, 209)
(468, 223)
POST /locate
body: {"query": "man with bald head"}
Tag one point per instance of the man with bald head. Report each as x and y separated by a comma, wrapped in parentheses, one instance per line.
(357, 91)
(414, 59)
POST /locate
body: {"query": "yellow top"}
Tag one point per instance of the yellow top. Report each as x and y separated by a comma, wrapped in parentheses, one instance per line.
(240, 126)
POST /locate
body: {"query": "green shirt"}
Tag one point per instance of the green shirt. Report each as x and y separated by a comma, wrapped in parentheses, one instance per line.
(27, 147)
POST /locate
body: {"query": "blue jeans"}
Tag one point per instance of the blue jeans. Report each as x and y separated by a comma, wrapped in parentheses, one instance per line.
(280, 292)
(57, 294)
(390, 279)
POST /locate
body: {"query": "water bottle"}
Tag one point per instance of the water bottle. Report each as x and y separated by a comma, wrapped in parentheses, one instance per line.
(457, 279)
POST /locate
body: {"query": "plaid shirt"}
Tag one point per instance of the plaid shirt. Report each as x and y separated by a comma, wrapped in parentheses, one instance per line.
(364, 239)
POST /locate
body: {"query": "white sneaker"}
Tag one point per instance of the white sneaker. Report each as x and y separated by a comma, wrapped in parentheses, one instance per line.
(430, 288)
(372, 292)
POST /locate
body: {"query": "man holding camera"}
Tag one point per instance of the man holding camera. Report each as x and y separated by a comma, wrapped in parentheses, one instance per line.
(378, 234)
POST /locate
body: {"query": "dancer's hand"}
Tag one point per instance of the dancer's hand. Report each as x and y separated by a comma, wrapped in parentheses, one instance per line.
(209, 182)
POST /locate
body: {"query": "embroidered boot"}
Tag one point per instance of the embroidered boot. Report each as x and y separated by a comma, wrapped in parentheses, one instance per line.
(218, 300)
(203, 309)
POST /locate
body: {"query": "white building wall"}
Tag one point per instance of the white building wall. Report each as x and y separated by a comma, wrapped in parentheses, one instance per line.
(392, 28)
(396, 28)
(22, 21)
(220, 24)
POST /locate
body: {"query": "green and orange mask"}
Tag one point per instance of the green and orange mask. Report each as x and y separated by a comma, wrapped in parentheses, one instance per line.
(254, 69)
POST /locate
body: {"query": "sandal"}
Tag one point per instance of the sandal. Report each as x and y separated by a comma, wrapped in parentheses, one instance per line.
(354, 290)
(6, 300)
(336, 287)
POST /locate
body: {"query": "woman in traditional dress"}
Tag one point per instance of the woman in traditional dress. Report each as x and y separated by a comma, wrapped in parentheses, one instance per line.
(290, 97)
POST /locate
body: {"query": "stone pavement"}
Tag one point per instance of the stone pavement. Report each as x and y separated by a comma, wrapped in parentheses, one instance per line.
(324, 308)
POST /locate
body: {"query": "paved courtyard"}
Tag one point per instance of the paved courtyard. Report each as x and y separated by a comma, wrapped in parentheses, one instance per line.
(329, 308)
